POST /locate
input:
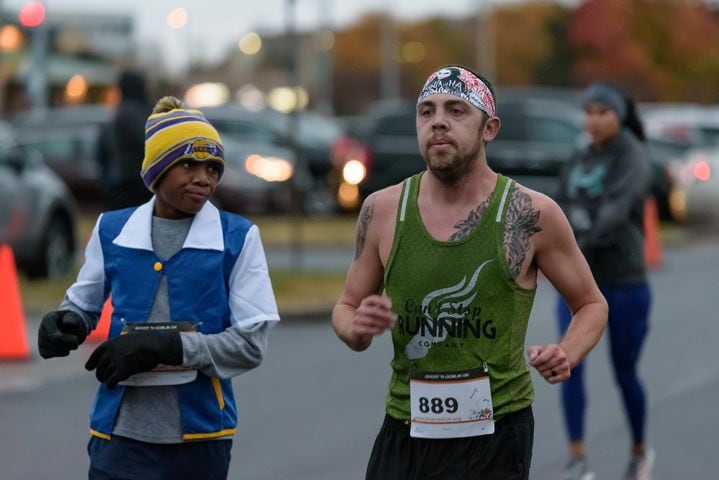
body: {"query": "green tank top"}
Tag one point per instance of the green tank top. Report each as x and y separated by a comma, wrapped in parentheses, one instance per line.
(457, 304)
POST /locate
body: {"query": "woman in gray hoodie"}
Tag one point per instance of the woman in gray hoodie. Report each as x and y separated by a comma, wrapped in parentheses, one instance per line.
(602, 192)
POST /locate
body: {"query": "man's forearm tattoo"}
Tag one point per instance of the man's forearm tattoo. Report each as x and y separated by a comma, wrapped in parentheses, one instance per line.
(465, 227)
(365, 216)
(521, 223)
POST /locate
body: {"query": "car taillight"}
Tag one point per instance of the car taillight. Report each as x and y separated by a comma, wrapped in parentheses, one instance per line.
(702, 171)
(348, 149)
(696, 169)
(351, 160)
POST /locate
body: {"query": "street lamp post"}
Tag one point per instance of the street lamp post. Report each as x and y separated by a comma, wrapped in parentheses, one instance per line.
(484, 41)
(325, 60)
(389, 74)
(293, 77)
(37, 78)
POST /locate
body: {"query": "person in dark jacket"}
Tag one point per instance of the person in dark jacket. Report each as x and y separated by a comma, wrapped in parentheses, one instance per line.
(124, 142)
(602, 192)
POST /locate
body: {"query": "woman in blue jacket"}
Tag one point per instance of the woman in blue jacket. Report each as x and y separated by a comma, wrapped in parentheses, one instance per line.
(192, 306)
(602, 192)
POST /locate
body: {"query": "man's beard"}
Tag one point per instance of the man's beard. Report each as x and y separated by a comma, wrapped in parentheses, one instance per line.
(451, 167)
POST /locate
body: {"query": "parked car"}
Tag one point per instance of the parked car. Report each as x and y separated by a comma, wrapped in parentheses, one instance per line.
(68, 137)
(257, 178)
(691, 124)
(389, 135)
(664, 153)
(37, 212)
(537, 138)
(695, 191)
(319, 141)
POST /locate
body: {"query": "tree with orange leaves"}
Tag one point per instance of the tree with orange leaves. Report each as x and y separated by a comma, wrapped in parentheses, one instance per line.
(657, 49)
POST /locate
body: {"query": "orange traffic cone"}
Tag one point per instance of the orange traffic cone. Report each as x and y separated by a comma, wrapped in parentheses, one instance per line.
(652, 236)
(13, 336)
(103, 325)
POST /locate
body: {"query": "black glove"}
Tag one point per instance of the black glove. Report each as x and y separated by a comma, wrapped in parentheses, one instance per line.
(119, 357)
(60, 332)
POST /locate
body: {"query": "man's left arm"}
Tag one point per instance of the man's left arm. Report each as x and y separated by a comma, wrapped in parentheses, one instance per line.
(558, 257)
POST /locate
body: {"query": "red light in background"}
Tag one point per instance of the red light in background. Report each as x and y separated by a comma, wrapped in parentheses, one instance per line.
(347, 148)
(702, 170)
(32, 14)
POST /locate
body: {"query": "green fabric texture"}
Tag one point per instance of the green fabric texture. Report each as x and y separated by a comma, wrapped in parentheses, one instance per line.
(457, 305)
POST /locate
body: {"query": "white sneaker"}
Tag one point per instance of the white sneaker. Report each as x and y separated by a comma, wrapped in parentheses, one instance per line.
(577, 468)
(640, 466)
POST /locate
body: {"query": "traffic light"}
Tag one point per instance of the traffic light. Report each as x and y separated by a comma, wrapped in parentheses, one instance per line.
(32, 14)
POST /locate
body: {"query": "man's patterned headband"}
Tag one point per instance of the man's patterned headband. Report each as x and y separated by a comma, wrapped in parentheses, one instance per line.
(461, 83)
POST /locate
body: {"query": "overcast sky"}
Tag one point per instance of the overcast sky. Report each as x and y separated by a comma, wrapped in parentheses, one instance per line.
(216, 25)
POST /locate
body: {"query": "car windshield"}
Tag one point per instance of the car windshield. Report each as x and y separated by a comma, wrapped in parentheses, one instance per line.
(664, 151)
(403, 125)
(312, 128)
(272, 127)
(708, 136)
(242, 129)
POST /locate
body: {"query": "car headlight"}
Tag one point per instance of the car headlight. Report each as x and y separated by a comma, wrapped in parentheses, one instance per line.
(271, 169)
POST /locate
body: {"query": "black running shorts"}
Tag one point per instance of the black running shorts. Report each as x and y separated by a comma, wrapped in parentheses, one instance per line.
(504, 455)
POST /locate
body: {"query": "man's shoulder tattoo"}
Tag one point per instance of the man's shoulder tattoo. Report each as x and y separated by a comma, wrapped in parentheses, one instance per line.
(365, 216)
(466, 226)
(520, 224)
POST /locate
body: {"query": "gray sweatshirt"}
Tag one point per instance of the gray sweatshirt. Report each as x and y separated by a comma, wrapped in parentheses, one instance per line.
(602, 192)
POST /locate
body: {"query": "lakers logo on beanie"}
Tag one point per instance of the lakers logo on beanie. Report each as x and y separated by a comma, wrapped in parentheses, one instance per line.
(174, 132)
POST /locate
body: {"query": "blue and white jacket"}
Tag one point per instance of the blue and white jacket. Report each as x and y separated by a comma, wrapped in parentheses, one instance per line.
(218, 280)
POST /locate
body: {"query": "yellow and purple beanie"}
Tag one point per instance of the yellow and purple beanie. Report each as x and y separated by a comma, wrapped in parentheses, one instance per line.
(174, 132)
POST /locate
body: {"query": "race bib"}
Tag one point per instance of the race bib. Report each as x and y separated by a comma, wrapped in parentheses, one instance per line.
(161, 374)
(451, 404)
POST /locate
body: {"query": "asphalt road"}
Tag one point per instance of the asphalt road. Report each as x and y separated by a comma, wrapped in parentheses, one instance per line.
(312, 409)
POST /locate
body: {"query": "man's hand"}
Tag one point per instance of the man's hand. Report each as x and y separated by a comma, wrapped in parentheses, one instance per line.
(550, 361)
(120, 357)
(60, 331)
(373, 317)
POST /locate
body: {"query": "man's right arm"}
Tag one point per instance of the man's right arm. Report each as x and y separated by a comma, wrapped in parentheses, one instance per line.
(361, 312)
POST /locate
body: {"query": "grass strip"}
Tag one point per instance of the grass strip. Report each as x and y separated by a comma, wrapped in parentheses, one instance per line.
(294, 291)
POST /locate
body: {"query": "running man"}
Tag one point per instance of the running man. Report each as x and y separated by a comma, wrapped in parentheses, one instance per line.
(448, 262)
